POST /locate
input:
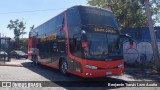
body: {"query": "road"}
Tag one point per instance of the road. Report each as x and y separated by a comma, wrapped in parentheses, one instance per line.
(29, 72)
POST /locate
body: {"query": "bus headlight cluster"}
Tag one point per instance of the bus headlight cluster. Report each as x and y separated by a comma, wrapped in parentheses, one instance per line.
(120, 65)
(91, 67)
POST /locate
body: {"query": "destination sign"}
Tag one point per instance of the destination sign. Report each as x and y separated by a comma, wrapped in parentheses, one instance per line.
(48, 38)
(105, 30)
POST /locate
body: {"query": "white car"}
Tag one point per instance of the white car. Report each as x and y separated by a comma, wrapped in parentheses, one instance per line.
(3, 52)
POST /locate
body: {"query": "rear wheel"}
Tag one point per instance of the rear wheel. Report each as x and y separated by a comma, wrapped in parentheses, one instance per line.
(35, 60)
(63, 67)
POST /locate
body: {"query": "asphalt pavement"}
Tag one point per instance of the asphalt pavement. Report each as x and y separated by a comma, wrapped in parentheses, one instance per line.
(25, 70)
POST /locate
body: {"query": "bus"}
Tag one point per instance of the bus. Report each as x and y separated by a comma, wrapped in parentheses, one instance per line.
(82, 40)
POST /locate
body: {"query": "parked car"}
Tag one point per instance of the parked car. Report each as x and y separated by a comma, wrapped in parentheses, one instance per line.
(19, 54)
(3, 55)
(2, 52)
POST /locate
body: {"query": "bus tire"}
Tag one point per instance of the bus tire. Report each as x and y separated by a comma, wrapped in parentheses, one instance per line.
(63, 67)
(32, 59)
(36, 62)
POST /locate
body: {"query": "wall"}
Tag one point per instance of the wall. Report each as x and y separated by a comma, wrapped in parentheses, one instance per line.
(142, 52)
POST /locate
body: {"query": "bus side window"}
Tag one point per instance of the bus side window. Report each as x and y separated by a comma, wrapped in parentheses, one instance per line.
(77, 45)
(55, 47)
(62, 41)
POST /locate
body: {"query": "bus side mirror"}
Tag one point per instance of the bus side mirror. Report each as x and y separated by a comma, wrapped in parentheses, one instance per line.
(84, 44)
(131, 44)
(130, 41)
(75, 38)
(129, 38)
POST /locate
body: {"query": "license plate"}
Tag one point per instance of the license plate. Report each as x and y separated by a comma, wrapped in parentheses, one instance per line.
(108, 73)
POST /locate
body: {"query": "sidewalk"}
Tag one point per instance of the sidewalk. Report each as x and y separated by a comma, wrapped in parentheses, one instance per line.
(17, 62)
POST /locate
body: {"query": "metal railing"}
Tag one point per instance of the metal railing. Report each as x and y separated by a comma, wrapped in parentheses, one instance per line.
(4, 48)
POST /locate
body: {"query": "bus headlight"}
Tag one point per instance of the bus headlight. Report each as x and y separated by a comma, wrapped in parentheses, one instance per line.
(91, 67)
(120, 65)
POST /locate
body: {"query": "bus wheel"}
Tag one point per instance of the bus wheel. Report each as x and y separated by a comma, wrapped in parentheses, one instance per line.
(63, 67)
(36, 62)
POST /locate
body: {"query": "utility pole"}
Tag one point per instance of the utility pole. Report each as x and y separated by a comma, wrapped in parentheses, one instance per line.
(156, 57)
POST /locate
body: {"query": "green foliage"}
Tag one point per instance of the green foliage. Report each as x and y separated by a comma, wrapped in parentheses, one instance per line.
(23, 44)
(18, 27)
(129, 13)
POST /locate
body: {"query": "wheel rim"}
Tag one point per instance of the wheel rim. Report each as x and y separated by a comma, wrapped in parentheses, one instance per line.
(36, 62)
(64, 67)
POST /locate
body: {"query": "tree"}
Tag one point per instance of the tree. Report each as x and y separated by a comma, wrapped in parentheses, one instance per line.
(18, 27)
(23, 44)
(129, 13)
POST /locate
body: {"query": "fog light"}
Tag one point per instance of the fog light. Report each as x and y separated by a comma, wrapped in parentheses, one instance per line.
(86, 73)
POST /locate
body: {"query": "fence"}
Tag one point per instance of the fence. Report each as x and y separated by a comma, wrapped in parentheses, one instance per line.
(4, 48)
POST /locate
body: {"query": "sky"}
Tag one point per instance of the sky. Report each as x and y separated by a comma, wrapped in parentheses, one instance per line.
(32, 12)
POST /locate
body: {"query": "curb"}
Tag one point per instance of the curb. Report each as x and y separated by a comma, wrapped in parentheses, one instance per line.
(17, 65)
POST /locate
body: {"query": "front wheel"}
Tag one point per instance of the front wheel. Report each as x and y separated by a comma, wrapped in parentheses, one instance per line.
(63, 67)
(35, 60)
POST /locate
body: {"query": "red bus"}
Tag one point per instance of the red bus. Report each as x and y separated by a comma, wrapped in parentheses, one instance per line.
(82, 40)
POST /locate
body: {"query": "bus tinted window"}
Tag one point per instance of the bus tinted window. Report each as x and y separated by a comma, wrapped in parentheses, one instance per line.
(113, 43)
(52, 26)
(59, 21)
(74, 29)
(73, 20)
(97, 17)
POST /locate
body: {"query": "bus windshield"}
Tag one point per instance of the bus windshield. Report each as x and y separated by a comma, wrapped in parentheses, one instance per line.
(100, 45)
(97, 43)
(101, 33)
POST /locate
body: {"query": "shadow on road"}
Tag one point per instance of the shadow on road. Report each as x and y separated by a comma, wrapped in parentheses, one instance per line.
(71, 80)
(141, 75)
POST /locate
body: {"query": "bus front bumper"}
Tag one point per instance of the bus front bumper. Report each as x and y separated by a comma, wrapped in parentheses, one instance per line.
(89, 73)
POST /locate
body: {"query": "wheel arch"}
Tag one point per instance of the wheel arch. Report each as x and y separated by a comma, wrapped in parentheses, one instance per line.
(61, 59)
